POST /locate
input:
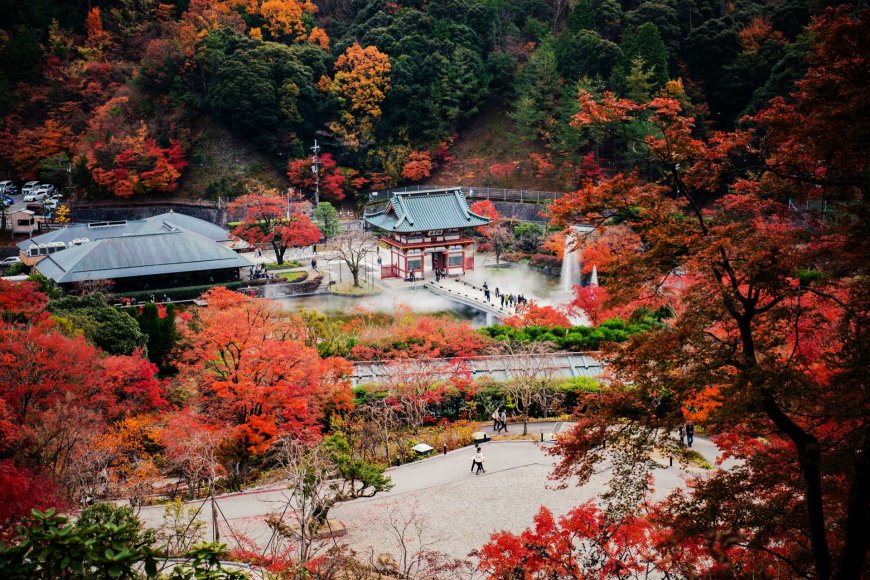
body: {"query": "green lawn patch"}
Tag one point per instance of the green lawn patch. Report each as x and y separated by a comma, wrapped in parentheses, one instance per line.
(348, 289)
(287, 264)
(293, 276)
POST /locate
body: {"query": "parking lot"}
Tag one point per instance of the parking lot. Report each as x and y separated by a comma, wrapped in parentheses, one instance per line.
(18, 202)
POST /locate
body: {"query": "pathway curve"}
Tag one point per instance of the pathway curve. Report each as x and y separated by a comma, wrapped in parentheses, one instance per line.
(457, 509)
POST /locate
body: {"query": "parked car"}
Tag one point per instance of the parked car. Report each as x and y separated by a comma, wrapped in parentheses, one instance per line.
(36, 208)
(48, 188)
(50, 204)
(8, 187)
(9, 261)
(6, 200)
(36, 195)
(29, 186)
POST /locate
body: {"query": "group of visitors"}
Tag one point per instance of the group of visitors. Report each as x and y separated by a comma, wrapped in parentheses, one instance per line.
(499, 420)
(687, 434)
(440, 273)
(259, 272)
(506, 300)
(512, 300)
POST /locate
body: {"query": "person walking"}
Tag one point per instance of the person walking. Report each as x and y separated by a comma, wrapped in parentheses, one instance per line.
(314, 264)
(690, 433)
(495, 420)
(477, 452)
(503, 419)
(682, 433)
(478, 460)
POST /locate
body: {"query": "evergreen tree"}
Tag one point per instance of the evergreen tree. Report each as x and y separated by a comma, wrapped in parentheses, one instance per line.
(162, 334)
(638, 82)
(539, 94)
(326, 219)
(644, 42)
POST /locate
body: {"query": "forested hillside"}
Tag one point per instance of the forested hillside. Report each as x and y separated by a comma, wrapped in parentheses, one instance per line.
(129, 97)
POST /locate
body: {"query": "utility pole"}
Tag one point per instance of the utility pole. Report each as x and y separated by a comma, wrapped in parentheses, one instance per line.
(315, 169)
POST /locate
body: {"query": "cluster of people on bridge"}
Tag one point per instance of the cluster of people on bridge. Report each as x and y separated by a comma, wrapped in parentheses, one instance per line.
(509, 300)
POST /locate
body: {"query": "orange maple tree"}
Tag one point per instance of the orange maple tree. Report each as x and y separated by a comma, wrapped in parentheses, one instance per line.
(418, 167)
(360, 85)
(254, 377)
(286, 17)
(30, 146)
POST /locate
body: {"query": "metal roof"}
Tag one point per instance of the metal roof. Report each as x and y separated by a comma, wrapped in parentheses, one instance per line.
(167, 252)
(110, 229)
(421, 211)
(500, 367)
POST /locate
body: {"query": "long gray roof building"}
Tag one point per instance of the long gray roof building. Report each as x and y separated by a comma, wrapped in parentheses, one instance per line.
(139, 255)
(112, 229)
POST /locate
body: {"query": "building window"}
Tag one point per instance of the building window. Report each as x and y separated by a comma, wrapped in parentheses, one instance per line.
(415, 264)
(454, 260)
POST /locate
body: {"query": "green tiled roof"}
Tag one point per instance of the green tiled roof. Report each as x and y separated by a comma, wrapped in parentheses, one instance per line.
(423, 211)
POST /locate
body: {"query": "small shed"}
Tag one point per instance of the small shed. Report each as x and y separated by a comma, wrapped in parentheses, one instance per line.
(23, 222)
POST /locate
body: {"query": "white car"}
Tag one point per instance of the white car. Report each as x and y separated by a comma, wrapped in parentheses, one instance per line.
(47, 188)
(7, 187)
(9, 261)
(50, 204)
(37, 195)
(29, 186)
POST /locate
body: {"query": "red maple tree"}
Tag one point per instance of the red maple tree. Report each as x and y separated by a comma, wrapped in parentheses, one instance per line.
(332, 178)
(265, 217)
(254, 377)
(766, 346)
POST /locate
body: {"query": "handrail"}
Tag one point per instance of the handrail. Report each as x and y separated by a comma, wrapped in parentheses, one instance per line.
(491, 193)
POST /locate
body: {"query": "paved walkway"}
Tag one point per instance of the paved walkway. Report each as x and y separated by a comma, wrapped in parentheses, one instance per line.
(456, 509)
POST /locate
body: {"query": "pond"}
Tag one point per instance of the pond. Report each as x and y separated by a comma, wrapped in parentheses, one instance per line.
(420, 301)
(510, 278)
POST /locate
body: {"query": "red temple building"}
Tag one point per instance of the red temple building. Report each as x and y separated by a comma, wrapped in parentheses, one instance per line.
(427, 228)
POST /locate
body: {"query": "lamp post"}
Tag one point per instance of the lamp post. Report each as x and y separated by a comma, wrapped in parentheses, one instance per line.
(315, 169)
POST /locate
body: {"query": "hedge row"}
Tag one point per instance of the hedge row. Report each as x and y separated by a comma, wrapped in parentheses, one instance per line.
(575, 338)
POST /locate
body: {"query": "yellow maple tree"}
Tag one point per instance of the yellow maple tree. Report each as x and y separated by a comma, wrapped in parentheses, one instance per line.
(360, 84)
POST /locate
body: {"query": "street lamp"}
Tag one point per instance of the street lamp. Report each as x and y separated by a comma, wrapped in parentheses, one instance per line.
(315, 169)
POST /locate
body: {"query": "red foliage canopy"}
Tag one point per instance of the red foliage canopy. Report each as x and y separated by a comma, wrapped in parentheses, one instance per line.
(332, 179)
(254, 376)
(768, 347)
(263, 220)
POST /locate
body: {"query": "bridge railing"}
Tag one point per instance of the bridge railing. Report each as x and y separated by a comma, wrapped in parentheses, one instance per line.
(491, 193)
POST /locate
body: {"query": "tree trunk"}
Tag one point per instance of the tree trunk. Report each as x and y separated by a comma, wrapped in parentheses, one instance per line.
(525, 422)
(809, 459)
(858, 523)
(355, 273)
(279, 252)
